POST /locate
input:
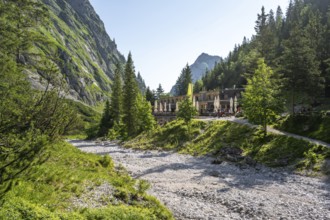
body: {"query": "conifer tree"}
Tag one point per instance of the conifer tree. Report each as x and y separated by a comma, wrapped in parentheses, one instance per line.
(130, 92)
(150, 96)
(300, 67)
(106, 120)
(116, 104)
(261, 30)
(326, 56)
(159, 91)
(183, 81)
(29, 119)
(279, 19)
(21, 28)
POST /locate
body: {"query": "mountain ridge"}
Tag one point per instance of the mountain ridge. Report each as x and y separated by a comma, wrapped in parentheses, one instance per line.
(87, 55)
(203, 63)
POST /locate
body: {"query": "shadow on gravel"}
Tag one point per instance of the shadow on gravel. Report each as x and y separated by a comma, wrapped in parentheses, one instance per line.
(88, 145)
(152, 155)
(228, 174)
(111, 152)
(91, 144)
(74, 141)
(250, 177)
(163, 168)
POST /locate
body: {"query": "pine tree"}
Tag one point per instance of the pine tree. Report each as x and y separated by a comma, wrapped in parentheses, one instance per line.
(198, 86)
(261, 21)
(183, 81)
(21, 28)
(326, 56)
(301, 67)
(29, 119)
(150, 96)
(159, 91)
(116, 104)
(261, 100)
(279, 19)
(130, 92)
(106, 120)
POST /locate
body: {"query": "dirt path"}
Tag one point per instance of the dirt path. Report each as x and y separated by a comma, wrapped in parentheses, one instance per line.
(194, 188)
(269, 129)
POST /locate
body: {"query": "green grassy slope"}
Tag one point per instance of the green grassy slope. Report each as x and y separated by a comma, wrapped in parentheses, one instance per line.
(211, 138)
(49, 191)
(313, 126)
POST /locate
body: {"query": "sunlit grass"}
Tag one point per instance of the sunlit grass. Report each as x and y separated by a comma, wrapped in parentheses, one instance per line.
(208, 138)
(48, 192)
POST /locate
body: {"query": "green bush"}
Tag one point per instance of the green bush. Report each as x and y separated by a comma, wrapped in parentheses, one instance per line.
(18, 208)
(106, 162)
(120, 212)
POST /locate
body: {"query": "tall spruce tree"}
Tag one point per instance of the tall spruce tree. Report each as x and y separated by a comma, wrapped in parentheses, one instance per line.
(159, 91)
(150, 96)
(116, 104)
(106, 120)
(326, 55)
(29, 119)
(301, 67)
(130, 92)
(183, 81)
(21, 28)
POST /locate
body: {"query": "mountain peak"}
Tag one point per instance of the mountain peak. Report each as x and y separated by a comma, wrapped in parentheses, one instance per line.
(204, 57)
(198, 68)
(203, 62)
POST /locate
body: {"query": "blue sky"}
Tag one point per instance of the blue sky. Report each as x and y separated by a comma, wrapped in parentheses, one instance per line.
(164, 35)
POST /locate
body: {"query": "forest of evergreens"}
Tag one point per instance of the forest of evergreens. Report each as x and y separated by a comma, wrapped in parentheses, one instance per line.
(295, 44)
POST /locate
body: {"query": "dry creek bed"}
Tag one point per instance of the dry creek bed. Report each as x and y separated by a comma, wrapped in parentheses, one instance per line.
(194, 188)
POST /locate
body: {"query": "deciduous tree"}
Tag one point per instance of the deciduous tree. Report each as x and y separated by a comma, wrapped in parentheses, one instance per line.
(262, 100)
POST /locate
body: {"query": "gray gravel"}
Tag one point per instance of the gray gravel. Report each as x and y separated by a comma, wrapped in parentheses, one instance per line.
(194, 188)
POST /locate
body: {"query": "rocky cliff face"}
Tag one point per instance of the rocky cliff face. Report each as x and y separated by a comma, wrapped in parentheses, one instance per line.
(204, 62)
(87, 54)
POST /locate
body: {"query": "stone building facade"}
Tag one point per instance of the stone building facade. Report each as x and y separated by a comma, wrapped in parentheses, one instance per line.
(205, 102)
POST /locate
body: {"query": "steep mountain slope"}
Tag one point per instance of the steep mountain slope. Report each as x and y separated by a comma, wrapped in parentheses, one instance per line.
(87, 55)
(198, 68)
(204, 62)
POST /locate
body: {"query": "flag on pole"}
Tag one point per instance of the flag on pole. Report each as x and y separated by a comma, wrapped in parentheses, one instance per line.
(190, 90)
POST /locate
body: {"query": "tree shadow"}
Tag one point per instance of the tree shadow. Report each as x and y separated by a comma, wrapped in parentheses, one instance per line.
(111, 152)
(226, 173)
(164, 154)
(80, 144)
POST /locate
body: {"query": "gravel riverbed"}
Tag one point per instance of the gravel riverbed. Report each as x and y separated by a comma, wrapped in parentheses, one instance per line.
(194, 188)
